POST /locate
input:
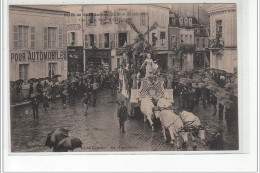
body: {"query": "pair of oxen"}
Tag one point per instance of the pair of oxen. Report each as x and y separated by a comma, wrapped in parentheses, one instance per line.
(179, 126)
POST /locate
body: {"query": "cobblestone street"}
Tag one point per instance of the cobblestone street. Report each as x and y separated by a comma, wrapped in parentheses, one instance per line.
(99, 131)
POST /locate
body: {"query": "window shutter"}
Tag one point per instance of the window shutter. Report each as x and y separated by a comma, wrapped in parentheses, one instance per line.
(86, 41)
(45, 38)
(95, 40)
(94, 18)
(60, 37)
(100, 40)
(15, 36)
(87, 18)
(116, 39)
(111, 40)
(101, 18)
(32, 37)
(69, 39)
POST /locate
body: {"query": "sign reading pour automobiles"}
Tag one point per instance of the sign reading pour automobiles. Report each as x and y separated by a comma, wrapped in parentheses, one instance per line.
(37, 55)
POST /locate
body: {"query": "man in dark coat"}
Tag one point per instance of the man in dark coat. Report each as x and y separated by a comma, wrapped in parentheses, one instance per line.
(214, 102)
(220, 111)
(231, 118)
(217, 142)
(39, 87)
(35, 106)
(191, 97)
(203, 96)
(122, 116)
(197, 95)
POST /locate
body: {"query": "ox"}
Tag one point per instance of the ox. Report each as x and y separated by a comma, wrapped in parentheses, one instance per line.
(164, 103)
(174, 124)
(193, 123)
(147, 109)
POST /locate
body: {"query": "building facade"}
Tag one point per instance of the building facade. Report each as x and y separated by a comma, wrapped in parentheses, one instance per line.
(202, 53)
(37, 44)
(223, 37)
(181, 42)
(74, 38)
(106, 33)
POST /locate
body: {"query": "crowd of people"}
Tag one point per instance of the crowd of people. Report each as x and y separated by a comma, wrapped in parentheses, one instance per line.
(44, 90)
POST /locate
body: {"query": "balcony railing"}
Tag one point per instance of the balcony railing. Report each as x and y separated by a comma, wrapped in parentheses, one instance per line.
(216, 42)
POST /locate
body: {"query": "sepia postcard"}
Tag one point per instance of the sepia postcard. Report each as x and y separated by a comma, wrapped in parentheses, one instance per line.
(123, 77)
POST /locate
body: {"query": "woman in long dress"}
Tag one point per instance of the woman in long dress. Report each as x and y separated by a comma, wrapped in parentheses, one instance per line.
(149, 65)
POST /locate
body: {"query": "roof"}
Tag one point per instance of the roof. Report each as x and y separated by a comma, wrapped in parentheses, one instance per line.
(50, 8)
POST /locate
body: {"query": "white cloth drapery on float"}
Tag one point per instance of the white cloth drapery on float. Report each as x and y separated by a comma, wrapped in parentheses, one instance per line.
(124, 89)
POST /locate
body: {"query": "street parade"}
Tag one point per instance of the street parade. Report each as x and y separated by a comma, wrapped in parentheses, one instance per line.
(140, 105)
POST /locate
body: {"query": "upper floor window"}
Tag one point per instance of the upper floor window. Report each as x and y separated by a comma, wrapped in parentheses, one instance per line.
(91, 19)
(154, 39)
(122, 39)
(142, 19)
(162, 38)
(106, 18)
(52, 37)
(20, 36)
(219, 28)
(72, 39)
(106, 40)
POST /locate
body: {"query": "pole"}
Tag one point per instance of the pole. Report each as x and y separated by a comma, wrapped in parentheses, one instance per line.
(193, 10)
(148, 25)
(198, 13)
(83, 40)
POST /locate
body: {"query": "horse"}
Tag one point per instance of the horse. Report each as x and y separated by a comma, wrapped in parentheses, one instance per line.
(193, 123)
(174, 124)
(146, 107)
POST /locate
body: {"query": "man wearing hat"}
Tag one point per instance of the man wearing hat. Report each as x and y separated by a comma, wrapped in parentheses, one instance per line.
(35, 106)
(122, 115)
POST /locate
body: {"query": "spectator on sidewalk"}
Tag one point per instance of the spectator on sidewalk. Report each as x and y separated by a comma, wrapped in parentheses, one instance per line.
(30, 90)
(85, 101)
(122, 116)
(214, 103)
(39, 87)
(45, 101)
(18, 92)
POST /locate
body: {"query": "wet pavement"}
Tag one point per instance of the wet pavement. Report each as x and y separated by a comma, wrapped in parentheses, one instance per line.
(99, 131)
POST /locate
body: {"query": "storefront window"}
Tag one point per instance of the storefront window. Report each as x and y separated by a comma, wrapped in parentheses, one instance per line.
(52, 68)
(23, 72)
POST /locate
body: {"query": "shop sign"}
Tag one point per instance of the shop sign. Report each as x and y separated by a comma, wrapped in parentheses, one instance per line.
(73, 27)
(98, 53)
(120, 51)
(37, 56)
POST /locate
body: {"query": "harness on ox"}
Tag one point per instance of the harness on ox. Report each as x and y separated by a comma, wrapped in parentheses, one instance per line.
(174, 121)
(188, 124)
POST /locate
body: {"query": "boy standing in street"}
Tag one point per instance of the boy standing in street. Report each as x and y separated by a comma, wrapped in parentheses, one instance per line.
(122, 116)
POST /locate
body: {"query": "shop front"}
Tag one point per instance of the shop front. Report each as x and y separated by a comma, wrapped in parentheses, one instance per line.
(99, 58)
(37, 64)
(75, 59)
